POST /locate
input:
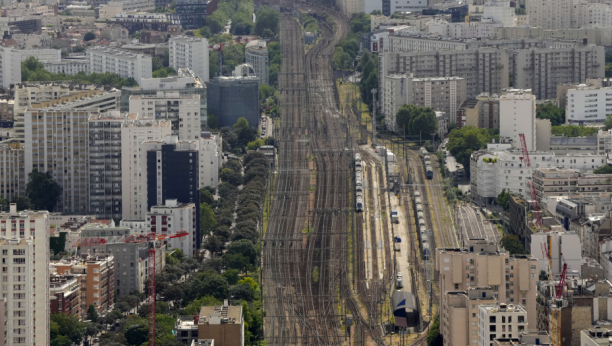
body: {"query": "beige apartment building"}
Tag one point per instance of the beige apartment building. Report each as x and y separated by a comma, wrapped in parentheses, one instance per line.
(549, 14)
(459, 318)
(442, 94)
(481, 112)
(550, 182)
(12, 169)
(482, 264)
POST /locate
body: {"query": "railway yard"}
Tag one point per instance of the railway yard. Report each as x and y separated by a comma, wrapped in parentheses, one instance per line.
(472, 224)
(331, 254)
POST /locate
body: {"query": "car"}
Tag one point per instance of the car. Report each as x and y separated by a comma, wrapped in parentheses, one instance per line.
(96, 340)
(399, 275)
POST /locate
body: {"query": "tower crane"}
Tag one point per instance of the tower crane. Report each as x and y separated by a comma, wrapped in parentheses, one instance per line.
(531, 185)
(151, 239)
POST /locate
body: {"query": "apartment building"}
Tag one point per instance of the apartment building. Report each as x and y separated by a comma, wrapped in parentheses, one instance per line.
(170, 171)
(211, 149)
(58, 142)
(7, 110)
(481, 112)
(182, 111)
(105, 194)
(586, 104)
(190, 14)
(257, 56)
(459, 317)
(190, 52)
(24, 239)
(501, 321)
(134, 22)
(185, 83)
(12, 169)
(224, 324)
(97, 277)
(390, 7)
(459, 31)
(563, 182)
(595, 336)
(443, 94)
(549, 14)
(598, 36)
(67, 66)
(11, 59)
(174, 218)
(121, 62)
(517, 116)
(499, 11)
(65, 294)
(558, 243)
(231, 98)
(135, 131)
(482, 264)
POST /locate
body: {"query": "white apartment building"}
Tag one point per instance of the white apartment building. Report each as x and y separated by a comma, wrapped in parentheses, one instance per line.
(12, 169)
(121, 62)
(499, 11)
(183, 111)
(549, 14)
(492, 170)
(605, 259)
(24, 241)
(190, 52)
(482, 264)
(67, 66)
(604, 142)
(406, 6)
(172, 218)
(257, 56)
(210, 151)
(503, 321)
(11, 59)
(112, 8)
(135, 131)
(57, 141)
(517, 114)
(588, 104)
(557, 243)
(458, 31)
(443, 94)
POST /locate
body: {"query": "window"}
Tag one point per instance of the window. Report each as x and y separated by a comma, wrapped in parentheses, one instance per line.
(491, 319)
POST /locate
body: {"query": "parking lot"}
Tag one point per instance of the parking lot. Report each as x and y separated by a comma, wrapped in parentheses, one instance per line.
(266, 127)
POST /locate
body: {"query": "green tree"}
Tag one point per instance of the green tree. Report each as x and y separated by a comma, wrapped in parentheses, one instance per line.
(464, 141)
(237, 261)
(503, 199)
(603, 170)
(23, 202)
(267, 18)
(608, 70)
(574, 131)
(68, 326)
(205, 32)
(136, 330)
(434, 338)
(216, 21)
(42, 190)
(214, 244)
(232, 276)
(212, 121)
(245, 248)
(520, 11)
(425, 122)
(552, 112)
(92, 329)
(92, 313)
(512, 244)
(195, 306)
(208, 220)
(608, 122)
(89, 36)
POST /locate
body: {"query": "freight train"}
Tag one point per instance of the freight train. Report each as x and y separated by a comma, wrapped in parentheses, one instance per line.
(427, 161)
(420, 218)
(358, 184)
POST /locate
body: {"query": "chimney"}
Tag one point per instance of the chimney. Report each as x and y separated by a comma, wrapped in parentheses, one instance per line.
(196, 319)
(13, 208)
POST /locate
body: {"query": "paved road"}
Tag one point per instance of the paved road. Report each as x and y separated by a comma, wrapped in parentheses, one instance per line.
(269, 131)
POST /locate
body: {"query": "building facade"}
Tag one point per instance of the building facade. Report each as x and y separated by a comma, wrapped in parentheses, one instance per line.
(588, 105)
(12, 169)
(257, 56)
(564, 182)
(11, 59)
(501, 321)
(190, 14)
(190, 52)
(517, 116)
(231, 98)
(174, 218)
(121, 62)
(58, 142)
(65, 294)
(67, 66)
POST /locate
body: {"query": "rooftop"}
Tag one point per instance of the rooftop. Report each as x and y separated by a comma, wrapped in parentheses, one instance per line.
(497, 308)
(562, 140)
(223, 314)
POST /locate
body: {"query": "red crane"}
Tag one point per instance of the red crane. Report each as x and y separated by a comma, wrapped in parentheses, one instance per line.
(152, 238)
(531, 185)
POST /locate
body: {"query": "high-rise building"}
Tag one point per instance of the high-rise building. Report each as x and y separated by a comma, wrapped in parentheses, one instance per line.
(172, 218)
(65, 292)
(190, 52)
(58, 142)
(134, 132)
(499, 11)
(443, 94)
(183, 111)
(12, 169)
(586, 104)
(517, 116)
(186, 83)
(482, 264)
(257, 56)
(549, 14)
(11, 59)
(189, 14)
(121, 62)
(24, 241)
(105, 164)
(459, 320)
(211, 149)
(501, 321)
(231, 98)
(170, 170)
(99, 278)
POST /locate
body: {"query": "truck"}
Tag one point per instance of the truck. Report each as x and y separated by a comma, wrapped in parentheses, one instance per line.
(394, 216)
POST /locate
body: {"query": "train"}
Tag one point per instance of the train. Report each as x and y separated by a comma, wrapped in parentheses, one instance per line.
(420, 218)
(427, 162)
(358, 184)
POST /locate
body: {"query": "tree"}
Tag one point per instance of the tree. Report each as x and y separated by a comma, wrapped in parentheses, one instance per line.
(23, 203)
(573, 131)
(424, 122)
(242, 292)
(230, 176)
(136, 330)
(195, 306)
(214, 244)
(404, 115)
(67, 325)
(92, 313)
(92, 329)
(434, 338)
(241, 124)
(237, 261)
(503, 199)
(603, 170)
(89, 36)
(207, 218)
(216, 22)
(232, 276)
(212, 121)
(205, 32)
(267, 18)
(552, 112)
(463, 142)
(245, 248)
(512, 244)
(608, 122)
(173, 293)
